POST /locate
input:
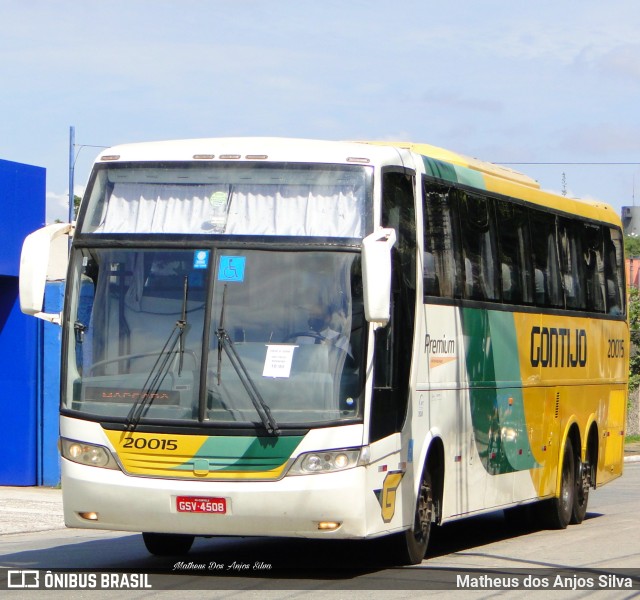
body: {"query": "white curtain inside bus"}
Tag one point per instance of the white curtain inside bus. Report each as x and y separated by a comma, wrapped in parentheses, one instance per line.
(287, 210)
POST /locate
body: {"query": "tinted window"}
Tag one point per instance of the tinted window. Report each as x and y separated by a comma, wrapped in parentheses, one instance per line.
(439, 242)
(480, 276)
(571, 263)
(614, 271)
(494, 249)
(546, 274)
(593, 268)
(515, 264)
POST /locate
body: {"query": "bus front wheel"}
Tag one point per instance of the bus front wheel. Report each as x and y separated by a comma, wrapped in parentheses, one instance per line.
(411, 545)
(167, 544)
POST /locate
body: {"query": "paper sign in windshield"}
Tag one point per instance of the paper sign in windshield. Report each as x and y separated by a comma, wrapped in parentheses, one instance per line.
(278, 360)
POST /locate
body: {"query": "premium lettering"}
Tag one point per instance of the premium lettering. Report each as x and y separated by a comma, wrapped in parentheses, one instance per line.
(439, 346)
(558, 347)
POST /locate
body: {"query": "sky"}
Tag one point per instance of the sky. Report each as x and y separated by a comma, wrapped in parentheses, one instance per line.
(508, 82)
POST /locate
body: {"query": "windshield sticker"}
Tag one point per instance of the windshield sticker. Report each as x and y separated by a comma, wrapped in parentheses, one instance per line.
(218, 201)
(201, 259)
(278, 360)
(231, 268)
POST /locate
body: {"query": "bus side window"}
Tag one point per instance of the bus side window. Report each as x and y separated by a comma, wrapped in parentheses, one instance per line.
(614, 271)
(513, 237)
(548, 289)
(569, 244)
(478, 248)
(431, 280)
(593, 267)
(439, 266)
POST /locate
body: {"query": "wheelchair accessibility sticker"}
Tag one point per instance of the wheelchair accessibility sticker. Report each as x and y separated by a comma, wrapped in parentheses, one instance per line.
(231, 268)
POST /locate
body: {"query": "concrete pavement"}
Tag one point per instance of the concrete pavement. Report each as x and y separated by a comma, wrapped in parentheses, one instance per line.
(33, 509)
(632, 452)
(30, 509)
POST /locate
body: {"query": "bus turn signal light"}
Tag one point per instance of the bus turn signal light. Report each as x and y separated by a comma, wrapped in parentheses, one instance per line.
(89, 516)
(328, 525)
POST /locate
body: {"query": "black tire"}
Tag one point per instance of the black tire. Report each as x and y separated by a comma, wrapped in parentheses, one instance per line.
(558, 511)
(581, 494)
(167, 544)
(411, 545)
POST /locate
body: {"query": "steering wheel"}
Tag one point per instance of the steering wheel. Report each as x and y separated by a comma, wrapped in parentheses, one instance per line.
(314, 335)
(310, 334)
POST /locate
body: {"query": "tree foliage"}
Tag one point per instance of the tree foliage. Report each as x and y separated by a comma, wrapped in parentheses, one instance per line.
(634, 326)
(631, 246)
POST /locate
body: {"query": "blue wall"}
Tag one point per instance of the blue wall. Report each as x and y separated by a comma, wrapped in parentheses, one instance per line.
(48, 456)
(22, 201)
(22, 206)
(19, 384)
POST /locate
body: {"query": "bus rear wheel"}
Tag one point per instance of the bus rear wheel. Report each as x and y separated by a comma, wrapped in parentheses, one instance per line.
(581, 495)
(558, 511)
(167, 544)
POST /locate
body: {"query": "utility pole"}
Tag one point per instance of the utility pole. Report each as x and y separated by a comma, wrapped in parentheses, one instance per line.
(72, 145)
(73, 156)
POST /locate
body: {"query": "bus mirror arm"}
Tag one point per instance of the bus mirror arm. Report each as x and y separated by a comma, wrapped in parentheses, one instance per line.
(376, 275)
(34, 268)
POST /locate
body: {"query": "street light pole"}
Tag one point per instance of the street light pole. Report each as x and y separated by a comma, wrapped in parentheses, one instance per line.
(72, 144)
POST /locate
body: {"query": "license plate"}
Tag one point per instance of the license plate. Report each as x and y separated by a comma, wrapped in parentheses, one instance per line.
(197, 504)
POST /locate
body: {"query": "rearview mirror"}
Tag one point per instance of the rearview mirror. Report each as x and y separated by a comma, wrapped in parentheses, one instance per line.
(376, 275)
(37, 250)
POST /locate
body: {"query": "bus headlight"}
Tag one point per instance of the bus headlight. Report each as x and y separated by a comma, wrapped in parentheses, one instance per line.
(327, 461)
(87, 454)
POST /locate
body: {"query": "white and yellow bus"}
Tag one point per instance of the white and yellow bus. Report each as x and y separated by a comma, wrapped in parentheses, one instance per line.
(274, 337)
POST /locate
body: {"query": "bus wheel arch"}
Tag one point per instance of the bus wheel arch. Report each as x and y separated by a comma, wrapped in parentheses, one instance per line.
(591, 457)
(434, 462)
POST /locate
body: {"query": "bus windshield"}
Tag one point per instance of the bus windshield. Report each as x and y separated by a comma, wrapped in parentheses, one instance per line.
(231, 199)
(281, 330)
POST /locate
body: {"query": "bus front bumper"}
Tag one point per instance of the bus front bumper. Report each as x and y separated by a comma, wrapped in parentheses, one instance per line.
(307, 506)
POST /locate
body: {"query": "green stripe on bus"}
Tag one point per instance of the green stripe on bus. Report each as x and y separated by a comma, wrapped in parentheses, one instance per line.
(240, 453)
(454, 173)
(495, 391)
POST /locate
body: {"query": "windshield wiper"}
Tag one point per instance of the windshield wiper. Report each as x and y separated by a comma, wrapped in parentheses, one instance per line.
(182, 323)
(160, 368)
(225, 343)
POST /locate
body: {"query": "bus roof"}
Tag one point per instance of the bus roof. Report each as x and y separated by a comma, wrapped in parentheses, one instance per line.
(252, 149)
(506, 181)
(462, 169)
(465, 161)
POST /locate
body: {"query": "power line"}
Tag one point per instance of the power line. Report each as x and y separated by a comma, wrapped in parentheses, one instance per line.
(604, 164)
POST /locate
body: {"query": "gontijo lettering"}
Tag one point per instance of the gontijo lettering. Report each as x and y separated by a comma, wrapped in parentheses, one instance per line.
(558, 347)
